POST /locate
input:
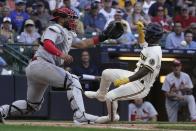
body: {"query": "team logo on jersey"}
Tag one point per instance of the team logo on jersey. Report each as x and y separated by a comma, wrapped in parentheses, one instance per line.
(152, 62)
(143, 57)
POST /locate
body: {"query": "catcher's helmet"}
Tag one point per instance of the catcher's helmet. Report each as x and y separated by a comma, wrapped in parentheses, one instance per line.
(66, 13)
(154, 32)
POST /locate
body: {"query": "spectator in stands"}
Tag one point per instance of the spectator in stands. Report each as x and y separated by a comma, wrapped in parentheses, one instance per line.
(192, 6)
(93, 20)
(122, 2)
(29, 9)
(128, 10)
(5, 11)
(174, 39)
(80, 28)
(115, 4)
(178, 91)
(99, 2)
(42, 15)
(6, 32)
(188, 42)
(119, 17)
(67, 3)
(138, 15)
(184, 18)
(53, 4)
(84, 3)
(10, 4)
(18, 16)
(146, 5)
(75, 3)
(86, 68)
(30, 37)
(107, 10)
(162, 19)
(141, 111)
(190, 3)
(34, 4)
(153, 8)
(193, 29)
(38, 24)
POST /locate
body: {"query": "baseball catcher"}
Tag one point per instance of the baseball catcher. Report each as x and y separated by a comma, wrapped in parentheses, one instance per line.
(131, 85)
(44, 68)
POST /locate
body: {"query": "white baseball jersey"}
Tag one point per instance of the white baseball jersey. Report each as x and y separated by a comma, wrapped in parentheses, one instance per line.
(146, 6)
(108, 15)
(150, 57)
(142, 113)
(171, 81)
(172, 105)
(61, 37)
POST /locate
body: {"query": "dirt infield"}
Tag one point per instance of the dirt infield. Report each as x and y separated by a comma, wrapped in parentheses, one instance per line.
(111, 125)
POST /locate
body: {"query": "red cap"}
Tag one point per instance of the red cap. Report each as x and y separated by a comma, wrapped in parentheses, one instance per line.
(177, 62)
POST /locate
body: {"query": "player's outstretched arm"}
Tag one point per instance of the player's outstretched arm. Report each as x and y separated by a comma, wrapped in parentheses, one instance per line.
(113, 31)
(140, 30)
(139, 74)
(52, 49)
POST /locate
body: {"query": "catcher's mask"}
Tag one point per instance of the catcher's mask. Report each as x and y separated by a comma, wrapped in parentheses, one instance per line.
(68, 13)
(153, 33)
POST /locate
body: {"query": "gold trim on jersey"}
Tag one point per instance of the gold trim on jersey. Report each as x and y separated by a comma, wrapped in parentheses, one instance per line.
(150, 68)
(143, 57)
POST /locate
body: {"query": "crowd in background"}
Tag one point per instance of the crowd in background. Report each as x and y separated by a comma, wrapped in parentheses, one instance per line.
(24, 21)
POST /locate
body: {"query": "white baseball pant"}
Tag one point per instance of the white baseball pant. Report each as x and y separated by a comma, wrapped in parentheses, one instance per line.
(172, 107)
(131, 90)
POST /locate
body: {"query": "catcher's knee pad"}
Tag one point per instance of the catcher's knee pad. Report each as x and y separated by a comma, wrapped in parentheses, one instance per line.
(17, 108)
(74, 95)
(71, 81)
(20, 107)
(34, 106)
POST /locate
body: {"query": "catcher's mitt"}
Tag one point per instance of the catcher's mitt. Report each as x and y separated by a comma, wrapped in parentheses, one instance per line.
(113, 31)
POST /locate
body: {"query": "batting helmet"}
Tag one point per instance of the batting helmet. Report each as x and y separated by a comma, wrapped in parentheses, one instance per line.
(154, 32)
(66, 13)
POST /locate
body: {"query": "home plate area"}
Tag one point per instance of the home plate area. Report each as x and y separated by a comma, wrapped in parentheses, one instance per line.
(119, 125)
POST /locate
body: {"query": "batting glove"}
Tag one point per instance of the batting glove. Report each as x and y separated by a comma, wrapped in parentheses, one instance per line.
(121, 81)
(140, 26)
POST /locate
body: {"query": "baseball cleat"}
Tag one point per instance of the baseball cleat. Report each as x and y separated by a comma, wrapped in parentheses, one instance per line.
(2, 121)
(86, 119)
(93, 94)
(106, 119)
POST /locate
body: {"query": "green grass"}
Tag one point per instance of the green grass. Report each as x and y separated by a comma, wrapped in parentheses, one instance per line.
(176, 127)
(157, 122)
(158, 126)
(50, 128)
